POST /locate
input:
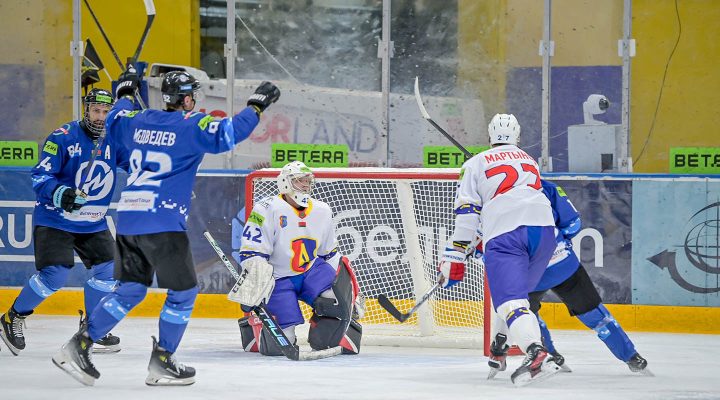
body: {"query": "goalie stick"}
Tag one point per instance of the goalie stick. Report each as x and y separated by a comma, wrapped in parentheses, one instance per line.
(425, 115)
(402, 317)
(290, 350)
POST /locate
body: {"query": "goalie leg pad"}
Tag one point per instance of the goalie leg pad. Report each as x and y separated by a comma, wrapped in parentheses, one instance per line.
(250, 327)
(332, 324)
(268, 347)
(327, 332)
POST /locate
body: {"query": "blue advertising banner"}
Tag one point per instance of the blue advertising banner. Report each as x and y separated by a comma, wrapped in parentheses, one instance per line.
(604, 243)
(676, 242)
(216, 199)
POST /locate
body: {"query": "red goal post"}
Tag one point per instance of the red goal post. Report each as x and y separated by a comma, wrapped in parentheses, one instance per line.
(393, 224)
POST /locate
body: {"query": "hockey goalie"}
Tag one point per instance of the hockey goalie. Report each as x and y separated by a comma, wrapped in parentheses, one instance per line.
(288, 248)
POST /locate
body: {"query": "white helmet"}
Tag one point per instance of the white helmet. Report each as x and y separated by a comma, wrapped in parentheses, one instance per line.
(504, 129)
(290, 182)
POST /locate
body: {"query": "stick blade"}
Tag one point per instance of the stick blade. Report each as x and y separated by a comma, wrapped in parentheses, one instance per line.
(390, 308)
(421, 106)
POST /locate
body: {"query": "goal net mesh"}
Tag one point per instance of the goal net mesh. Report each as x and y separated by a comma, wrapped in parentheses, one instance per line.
(393, 226)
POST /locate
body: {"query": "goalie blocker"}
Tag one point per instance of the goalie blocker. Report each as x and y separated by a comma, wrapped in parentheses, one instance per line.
(333, 322)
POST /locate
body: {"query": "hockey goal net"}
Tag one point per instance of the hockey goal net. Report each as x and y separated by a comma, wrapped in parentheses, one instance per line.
(393, 224)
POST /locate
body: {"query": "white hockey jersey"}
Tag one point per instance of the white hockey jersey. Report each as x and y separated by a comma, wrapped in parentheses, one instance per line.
(291, 240)
(505, 182)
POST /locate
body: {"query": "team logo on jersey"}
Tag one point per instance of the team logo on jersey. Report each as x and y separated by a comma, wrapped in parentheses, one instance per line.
(100, 180)
(303, 252)
(283, 221)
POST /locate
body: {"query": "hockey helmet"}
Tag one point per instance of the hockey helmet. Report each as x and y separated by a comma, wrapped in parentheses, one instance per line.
(178, 84)
(296, 180)
(96, 96)
(504, 129)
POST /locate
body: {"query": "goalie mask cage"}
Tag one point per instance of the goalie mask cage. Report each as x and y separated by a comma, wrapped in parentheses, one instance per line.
(393, 224)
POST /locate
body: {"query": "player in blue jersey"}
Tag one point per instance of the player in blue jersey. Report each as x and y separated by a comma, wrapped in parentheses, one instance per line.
(568, 279)
(70, 215)
(161, 150)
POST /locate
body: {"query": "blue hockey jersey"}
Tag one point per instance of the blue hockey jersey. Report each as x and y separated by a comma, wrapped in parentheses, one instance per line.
(64, 159)
(564, 261)
(162, 150)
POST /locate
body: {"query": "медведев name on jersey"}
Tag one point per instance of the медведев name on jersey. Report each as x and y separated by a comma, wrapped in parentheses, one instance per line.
(157, 138)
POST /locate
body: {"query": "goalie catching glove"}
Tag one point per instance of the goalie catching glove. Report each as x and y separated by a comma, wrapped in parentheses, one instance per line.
(255, 285)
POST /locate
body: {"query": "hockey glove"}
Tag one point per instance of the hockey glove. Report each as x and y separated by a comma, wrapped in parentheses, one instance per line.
(264, 95)
(452, 267)
(255, 285)
(128, 83)
(66, 198)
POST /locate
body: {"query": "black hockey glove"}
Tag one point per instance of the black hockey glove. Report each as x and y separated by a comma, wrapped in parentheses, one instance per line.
(67, 198)
(128, 83)
(264, 95)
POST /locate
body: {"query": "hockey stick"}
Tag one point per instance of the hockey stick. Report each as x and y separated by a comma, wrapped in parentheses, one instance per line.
(102, 32)
(425, 115)
(150, 10)
(390, 307)
(96, 149)
(290, 350)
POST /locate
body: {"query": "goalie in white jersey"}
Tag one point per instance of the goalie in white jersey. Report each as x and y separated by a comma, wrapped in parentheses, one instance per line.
(295, 235)
(501, 189)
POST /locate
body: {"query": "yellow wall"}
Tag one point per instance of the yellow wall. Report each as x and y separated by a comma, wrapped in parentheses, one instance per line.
(631, 317)
(174, 37)
(37, 32)
(499, 35)
(688, 113)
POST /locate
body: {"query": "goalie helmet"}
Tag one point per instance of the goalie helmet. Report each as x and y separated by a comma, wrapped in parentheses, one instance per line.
(95, 125)
(296, 180)
(178, 84)
(504, 129)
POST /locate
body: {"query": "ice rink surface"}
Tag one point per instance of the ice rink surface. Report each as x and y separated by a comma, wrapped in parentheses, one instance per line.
(686, 367)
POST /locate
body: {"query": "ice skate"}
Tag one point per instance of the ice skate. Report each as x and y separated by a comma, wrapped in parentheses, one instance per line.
(107, 344)
(498, 355)
(11, 330)
(164, 370)
(75, 359)
(537, 366)
(638, 364)
(560, 360)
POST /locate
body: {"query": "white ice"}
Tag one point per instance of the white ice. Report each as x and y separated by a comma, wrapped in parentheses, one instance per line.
(686, 367)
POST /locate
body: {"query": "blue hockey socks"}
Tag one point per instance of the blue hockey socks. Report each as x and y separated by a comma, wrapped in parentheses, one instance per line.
(546, 338)
(114, 307)
(40, 286)
(609, 331)
(175, 316)
(99, 285)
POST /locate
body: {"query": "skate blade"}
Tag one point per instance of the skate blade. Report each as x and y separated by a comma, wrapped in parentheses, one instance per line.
(547, 371)
(101, 349)
(565, 368)
(493, 372)
(645, 372)
(71, 369)
(14, 350)
(155, 380)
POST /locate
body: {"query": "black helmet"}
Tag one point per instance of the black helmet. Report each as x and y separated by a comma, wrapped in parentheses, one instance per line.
(95, 96)
(178, 84)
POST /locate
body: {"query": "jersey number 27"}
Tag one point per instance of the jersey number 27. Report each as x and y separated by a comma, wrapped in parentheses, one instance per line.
(512, 176)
